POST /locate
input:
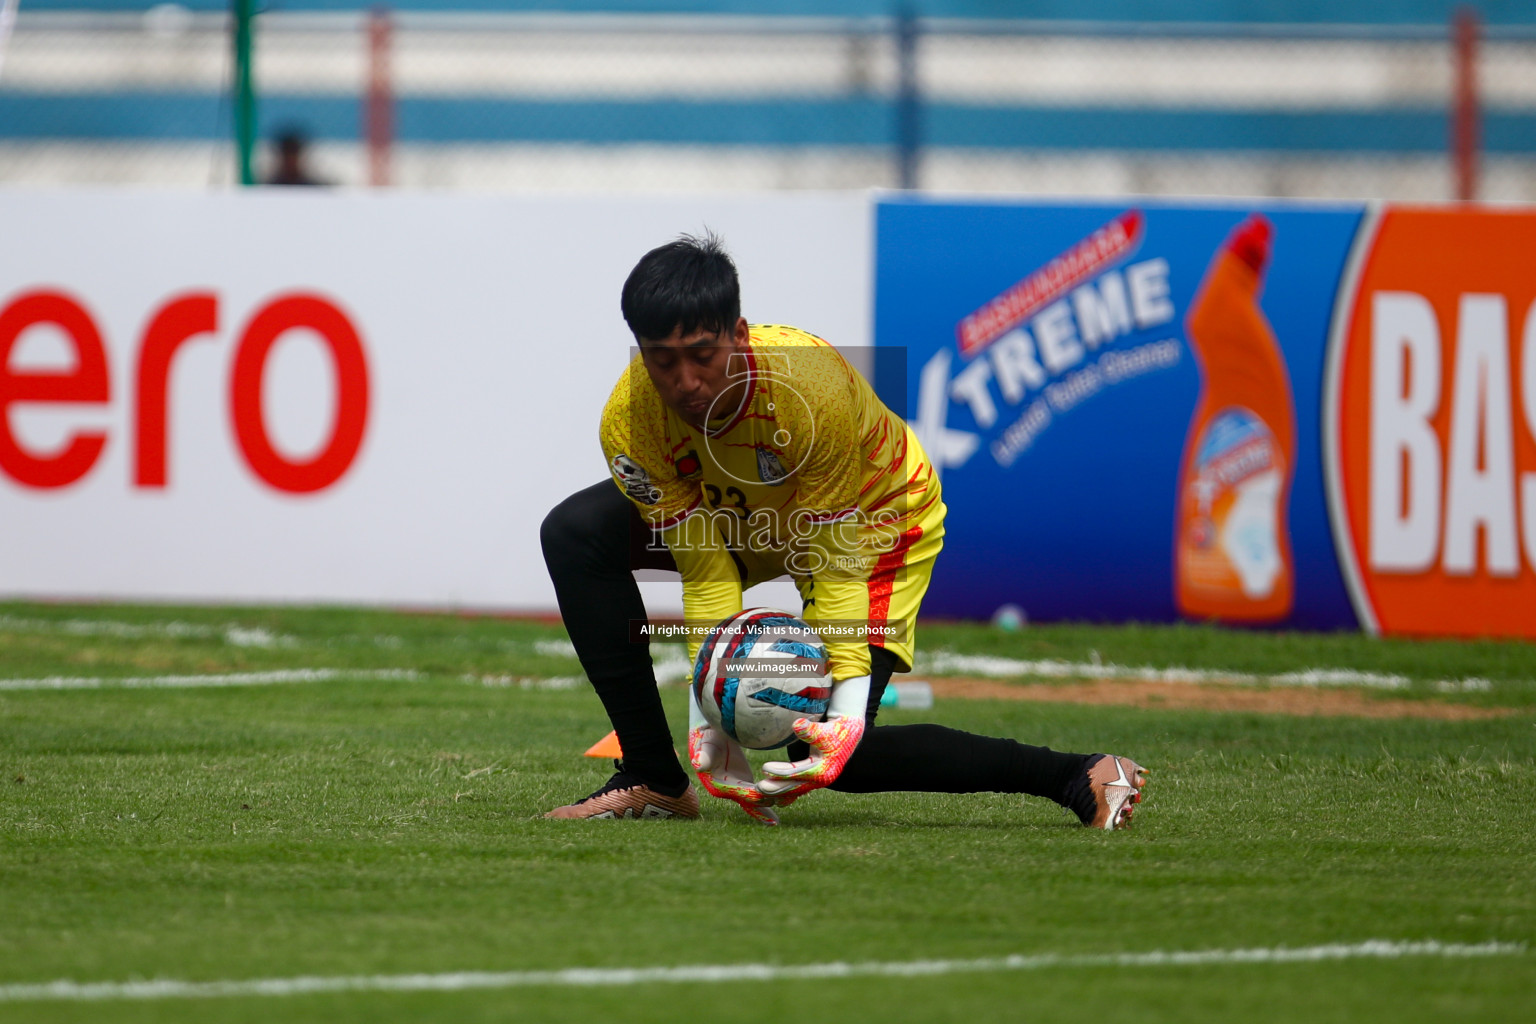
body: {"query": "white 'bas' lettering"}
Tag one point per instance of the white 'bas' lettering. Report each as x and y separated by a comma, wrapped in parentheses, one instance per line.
(1405, 472)
(1528, 404)
(1405, 392)
(1480, 412)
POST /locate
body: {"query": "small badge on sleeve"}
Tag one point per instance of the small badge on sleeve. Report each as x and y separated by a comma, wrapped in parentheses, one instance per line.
(635, 480)
(689, 466)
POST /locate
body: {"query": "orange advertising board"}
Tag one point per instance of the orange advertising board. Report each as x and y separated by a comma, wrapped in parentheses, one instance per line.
(1430, 422)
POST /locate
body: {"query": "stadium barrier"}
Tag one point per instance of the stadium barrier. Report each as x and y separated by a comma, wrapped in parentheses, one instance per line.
(1305, 416)
(1283, 414)
(340, 398)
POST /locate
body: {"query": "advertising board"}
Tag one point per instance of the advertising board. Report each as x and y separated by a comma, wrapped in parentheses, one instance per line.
(1430, 413)
(1263, 413)
(1124, 400)
(336, 396)
(1279, 414)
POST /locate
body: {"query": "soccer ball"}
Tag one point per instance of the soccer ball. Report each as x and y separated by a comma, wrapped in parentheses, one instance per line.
(757, 673)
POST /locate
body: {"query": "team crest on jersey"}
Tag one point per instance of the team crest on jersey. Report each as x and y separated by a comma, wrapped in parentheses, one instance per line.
(635, 480)
(689, 467)
(769, 469)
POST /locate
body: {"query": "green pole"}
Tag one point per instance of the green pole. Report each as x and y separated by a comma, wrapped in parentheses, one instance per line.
(245, 91)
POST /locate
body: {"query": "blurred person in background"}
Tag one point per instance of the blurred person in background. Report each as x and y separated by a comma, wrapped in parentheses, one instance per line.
(291, 156)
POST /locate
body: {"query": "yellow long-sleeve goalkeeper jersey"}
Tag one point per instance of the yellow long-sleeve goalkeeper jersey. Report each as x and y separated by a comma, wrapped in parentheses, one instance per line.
(810, 474)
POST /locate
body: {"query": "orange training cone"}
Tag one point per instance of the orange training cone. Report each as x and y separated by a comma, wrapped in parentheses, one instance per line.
(607, 747)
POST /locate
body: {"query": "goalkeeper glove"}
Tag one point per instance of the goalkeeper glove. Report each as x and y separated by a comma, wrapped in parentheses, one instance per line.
(724, 772)
(832, 743)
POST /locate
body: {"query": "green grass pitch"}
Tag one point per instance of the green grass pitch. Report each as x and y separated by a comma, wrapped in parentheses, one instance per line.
(373, 826)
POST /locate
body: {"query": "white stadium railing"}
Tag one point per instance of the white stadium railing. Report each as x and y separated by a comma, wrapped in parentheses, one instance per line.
(665, 102)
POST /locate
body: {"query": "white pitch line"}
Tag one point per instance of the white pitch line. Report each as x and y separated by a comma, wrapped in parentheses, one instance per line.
(529, 682)
(296, 675)
(593, 977)
(237, 636)
(943, 662)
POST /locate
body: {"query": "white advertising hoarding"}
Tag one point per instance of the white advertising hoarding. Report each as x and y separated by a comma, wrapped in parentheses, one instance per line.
(341, 397)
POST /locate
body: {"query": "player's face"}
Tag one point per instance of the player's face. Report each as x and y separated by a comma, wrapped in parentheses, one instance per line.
(692, 372)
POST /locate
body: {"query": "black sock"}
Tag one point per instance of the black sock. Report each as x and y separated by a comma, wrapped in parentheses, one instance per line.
(590, 546)
(936, 759)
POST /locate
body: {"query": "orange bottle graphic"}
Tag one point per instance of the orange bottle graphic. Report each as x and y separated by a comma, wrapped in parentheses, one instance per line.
(1232, 555)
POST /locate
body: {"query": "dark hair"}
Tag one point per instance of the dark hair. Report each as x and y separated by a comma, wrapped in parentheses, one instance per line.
(689, 284)
(291, 138)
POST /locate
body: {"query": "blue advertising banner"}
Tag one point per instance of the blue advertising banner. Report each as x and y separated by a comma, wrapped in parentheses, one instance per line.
(1123, 400)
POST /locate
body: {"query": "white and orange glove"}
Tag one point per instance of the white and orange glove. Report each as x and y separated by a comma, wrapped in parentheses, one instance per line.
(832, 743)
(724, 770)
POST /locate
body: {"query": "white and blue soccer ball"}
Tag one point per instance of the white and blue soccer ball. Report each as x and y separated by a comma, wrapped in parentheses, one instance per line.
(758, 672)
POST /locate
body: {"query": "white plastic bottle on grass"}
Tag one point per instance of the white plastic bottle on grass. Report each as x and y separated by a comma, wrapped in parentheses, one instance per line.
(1010, 618)
(913, 695)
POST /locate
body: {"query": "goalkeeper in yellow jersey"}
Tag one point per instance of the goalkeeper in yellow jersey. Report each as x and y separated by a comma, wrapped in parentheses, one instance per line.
(739, 454)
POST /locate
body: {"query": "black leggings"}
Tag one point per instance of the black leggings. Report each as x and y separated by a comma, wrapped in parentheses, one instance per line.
(595, 539)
